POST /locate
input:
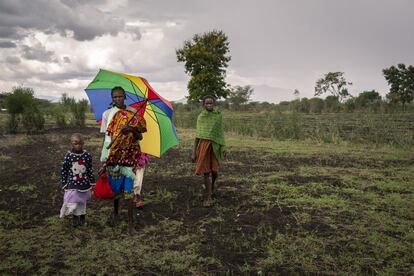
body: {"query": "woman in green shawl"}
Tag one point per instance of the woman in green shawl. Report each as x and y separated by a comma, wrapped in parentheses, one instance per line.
(208, 146)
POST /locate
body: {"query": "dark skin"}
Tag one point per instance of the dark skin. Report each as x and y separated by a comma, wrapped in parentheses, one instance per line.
(209, 182)
(118, 98)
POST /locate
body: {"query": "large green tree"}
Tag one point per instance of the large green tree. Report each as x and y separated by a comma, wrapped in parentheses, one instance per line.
(205, 59)
(334, 83)
(401, 81)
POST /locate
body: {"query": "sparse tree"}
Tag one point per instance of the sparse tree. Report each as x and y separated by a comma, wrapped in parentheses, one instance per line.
(401, 80)
(296, 93)
(76, 108)
(239, 96)
(205, 59)
(334, 83)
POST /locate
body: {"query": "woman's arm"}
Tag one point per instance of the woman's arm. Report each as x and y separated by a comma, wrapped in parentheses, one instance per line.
(194, 152)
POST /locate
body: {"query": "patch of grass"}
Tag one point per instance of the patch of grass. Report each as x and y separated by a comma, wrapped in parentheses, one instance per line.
(283, 207)
(4, 157)
(8, 219)
(14, 140)
(296, 254)
(161, 194)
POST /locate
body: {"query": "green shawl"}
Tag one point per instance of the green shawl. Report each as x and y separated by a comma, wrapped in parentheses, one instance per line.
(210, 127)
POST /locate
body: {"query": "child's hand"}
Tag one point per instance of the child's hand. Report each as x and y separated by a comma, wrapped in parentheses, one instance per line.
(102, 170)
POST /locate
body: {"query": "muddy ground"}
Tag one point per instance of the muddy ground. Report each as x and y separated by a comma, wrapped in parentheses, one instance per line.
(235, 235)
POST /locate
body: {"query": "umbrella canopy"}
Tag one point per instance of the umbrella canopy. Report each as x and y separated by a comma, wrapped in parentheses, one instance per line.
(157, 111)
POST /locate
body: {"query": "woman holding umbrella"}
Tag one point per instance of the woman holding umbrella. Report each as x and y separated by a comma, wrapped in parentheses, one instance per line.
(121, 153)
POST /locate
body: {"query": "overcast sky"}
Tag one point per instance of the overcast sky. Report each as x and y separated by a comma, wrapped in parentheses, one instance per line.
(276, 46)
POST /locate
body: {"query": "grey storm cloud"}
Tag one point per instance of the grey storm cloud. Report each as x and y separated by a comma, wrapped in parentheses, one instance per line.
(7, 44)
(66, 60)
(80, 18)
(12, 60)
(38, 52)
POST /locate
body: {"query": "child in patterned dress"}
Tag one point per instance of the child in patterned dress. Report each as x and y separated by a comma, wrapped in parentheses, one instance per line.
(77, 180)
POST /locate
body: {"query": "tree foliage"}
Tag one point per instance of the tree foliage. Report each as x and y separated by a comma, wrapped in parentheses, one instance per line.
(334, 83)
(205, 59)
(296, 93)
(20, 99)
(240, 95)
(77, 109)
(23, 107)
(401, 80)
(367, 99)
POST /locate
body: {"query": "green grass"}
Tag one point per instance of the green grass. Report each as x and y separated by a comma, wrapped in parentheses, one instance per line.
(284, 207)
(392, 129)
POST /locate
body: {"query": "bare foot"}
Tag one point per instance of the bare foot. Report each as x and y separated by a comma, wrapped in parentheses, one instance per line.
(208, 202)
(131, 230)
(113, 219)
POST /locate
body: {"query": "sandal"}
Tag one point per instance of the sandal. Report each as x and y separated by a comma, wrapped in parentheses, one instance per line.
(139, 202)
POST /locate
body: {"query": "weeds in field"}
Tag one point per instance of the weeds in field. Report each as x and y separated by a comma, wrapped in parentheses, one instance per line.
(392, 129)
(283, 207)
(4, 157)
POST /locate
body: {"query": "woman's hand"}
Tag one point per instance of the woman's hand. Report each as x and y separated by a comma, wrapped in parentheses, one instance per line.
(125, 129)
(193, 156)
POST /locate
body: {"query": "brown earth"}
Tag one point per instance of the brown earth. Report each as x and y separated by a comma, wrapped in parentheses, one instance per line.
(38, 163)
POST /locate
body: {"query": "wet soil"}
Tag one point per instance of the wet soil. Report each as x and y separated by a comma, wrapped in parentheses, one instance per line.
(37, 165)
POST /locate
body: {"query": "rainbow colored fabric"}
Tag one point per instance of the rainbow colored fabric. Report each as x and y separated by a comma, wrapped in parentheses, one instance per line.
(157, 111)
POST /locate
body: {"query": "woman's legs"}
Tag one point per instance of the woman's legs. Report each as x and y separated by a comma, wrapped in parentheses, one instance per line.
(214, 176)
(131, 212)
(139, 177)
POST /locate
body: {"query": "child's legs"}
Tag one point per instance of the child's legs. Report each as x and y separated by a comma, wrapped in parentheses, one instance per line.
(80, 209)
(116, 206)
(208, 184)
(214, 176)
(131, 214)
(139, 177)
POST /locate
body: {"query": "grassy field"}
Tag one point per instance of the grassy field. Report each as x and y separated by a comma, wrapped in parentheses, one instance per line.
(282, 207)
(375, 128)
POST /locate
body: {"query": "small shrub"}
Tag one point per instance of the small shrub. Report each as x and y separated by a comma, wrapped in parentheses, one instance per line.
(12, 123)
(59, 115)
(78, 110)
(33, 120)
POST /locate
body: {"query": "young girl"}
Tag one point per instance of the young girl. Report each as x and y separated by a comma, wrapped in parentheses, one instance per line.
(209, 145)
(77, 180)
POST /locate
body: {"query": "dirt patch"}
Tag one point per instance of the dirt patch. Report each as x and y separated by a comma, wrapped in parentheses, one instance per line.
(235, 231)
(330, 180)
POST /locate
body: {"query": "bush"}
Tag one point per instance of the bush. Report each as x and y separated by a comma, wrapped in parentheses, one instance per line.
(12, 123)
(33, 120)
(22, 106)
(60, 118)
(78, 110)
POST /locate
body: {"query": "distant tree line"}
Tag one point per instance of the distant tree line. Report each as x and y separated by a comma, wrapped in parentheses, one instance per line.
(206, 58)
(367, 101)
(27, 113)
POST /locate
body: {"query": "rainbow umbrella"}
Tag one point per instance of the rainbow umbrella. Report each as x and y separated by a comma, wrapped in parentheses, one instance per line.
(157, 111)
